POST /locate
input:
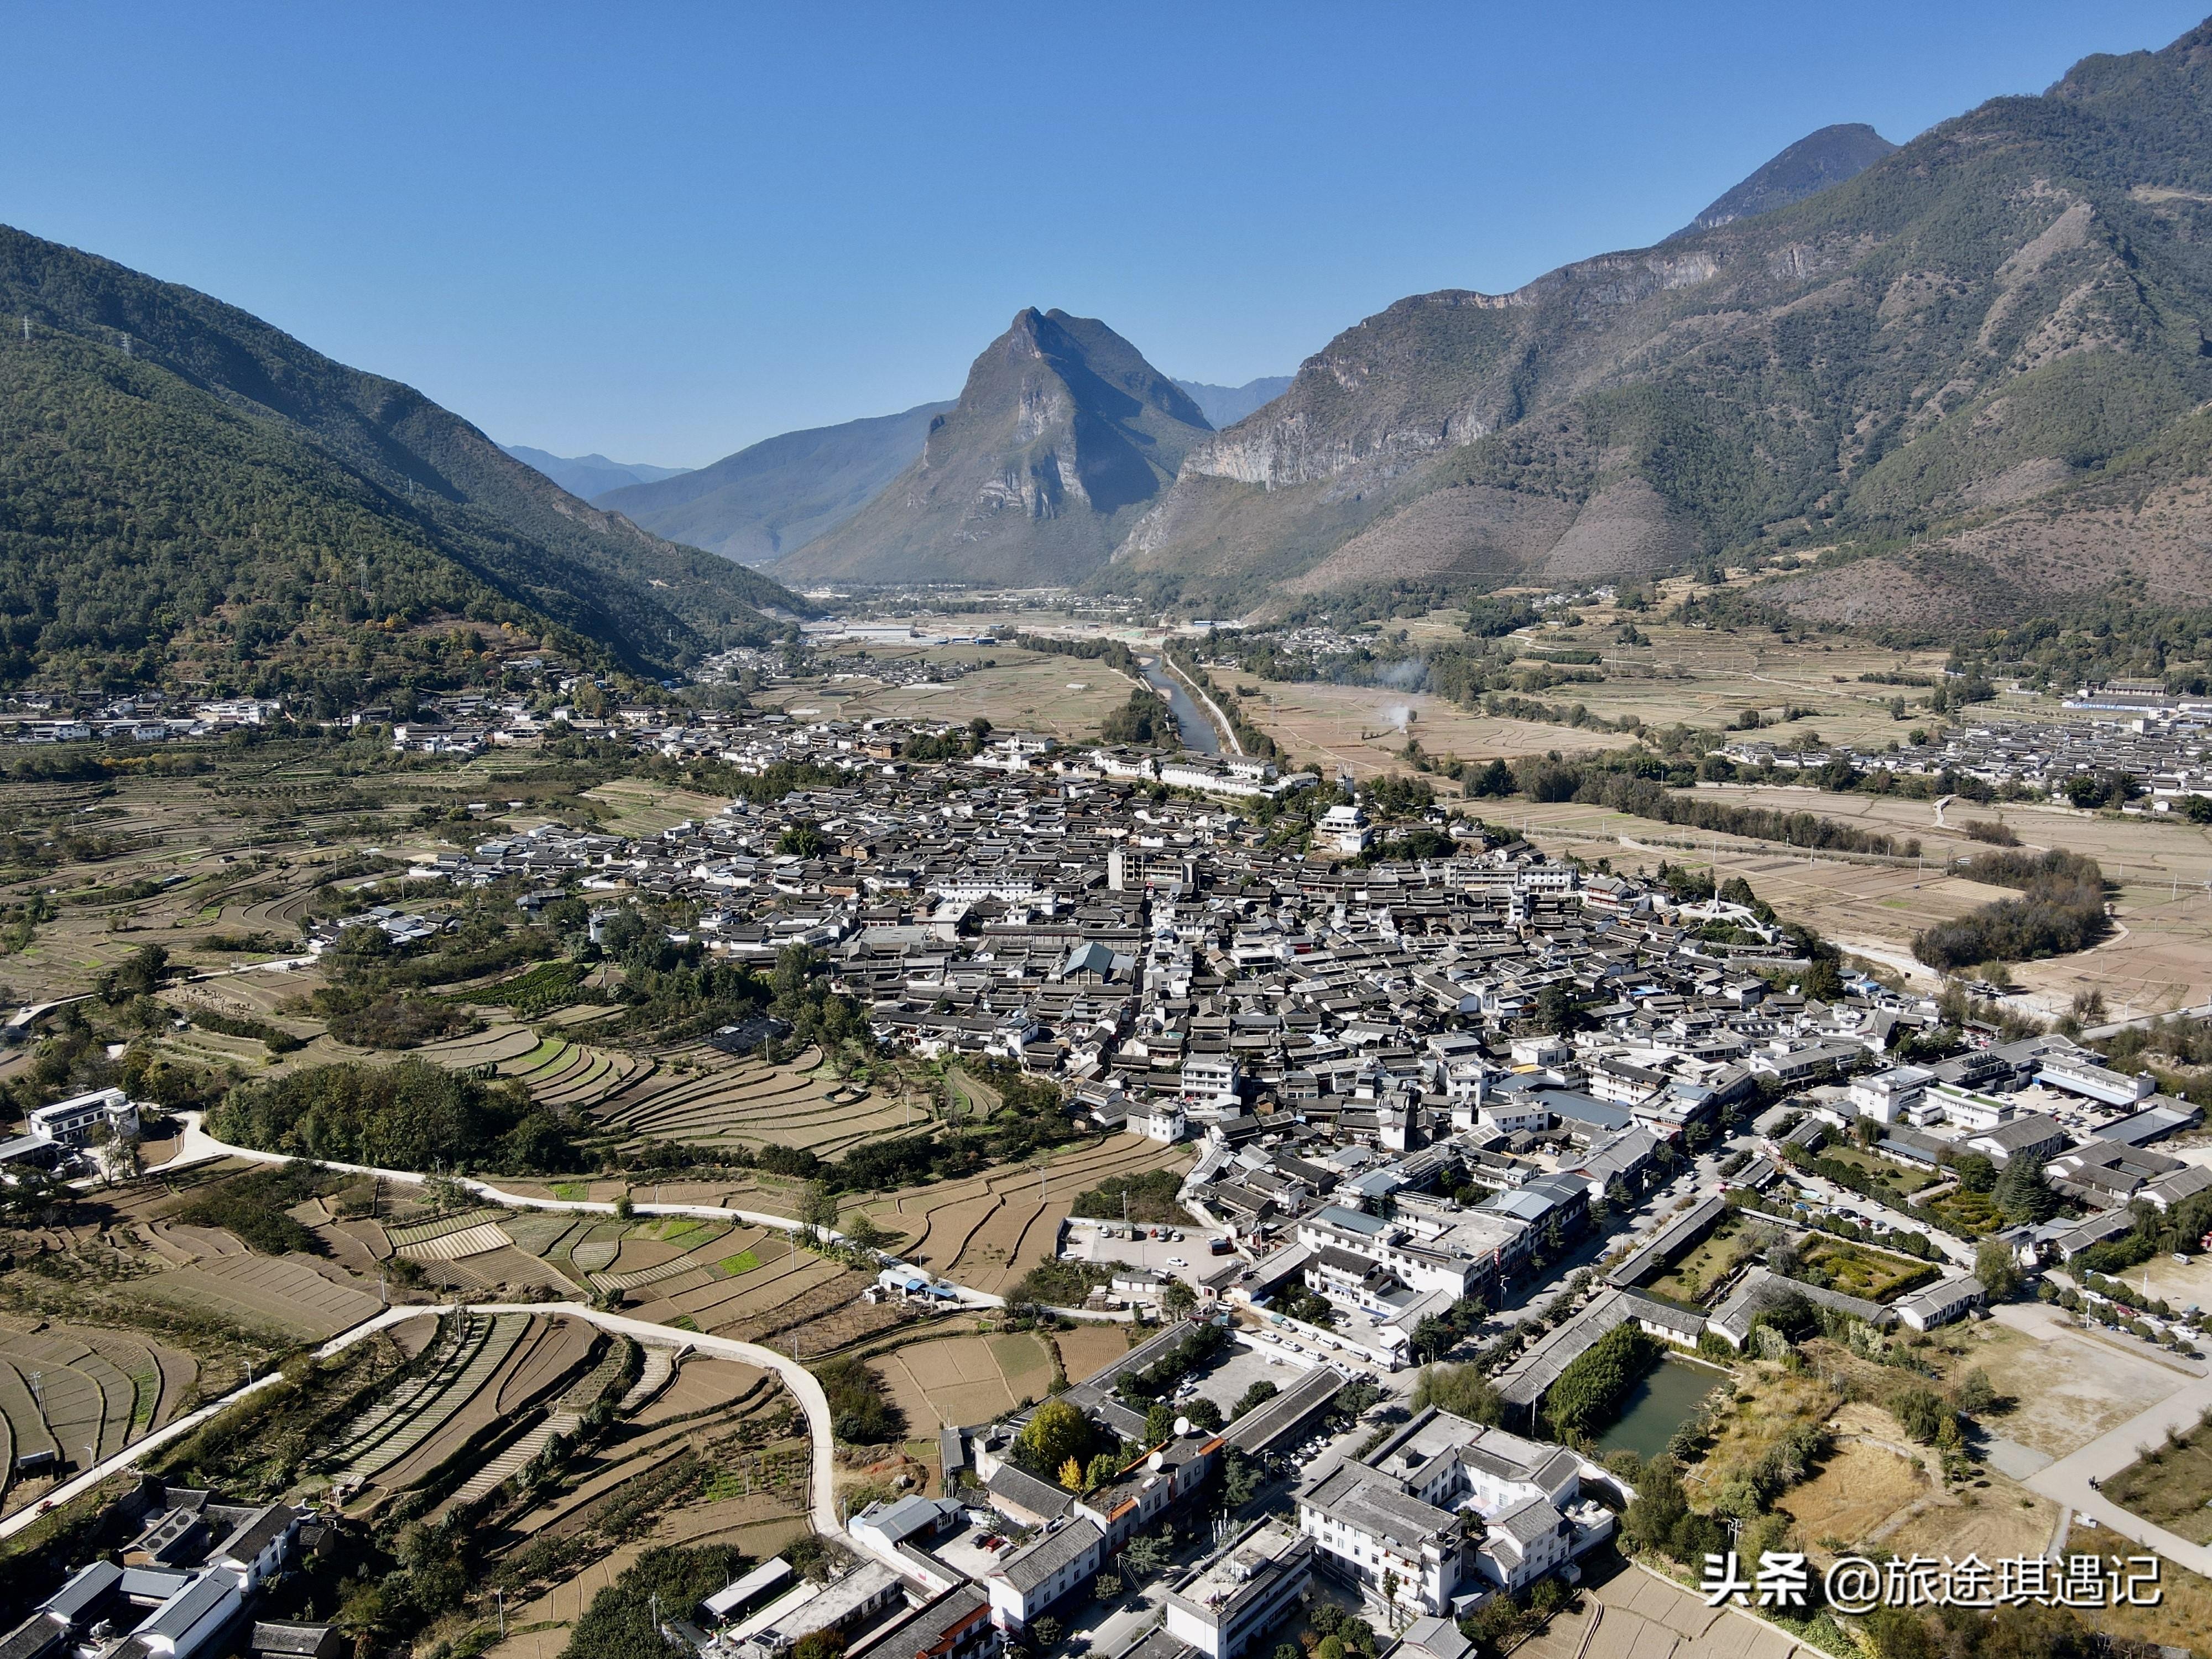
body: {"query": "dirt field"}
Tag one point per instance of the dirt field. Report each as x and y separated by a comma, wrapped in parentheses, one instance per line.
(963, 1380)
(1365, 726)
(2070, 1389)
(1026, 691)
(2159, 958)
(1088, 1349)
(1856, 1490)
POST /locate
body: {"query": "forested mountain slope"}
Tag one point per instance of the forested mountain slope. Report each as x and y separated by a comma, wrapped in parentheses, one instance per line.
(187, 494)
(1971, 370)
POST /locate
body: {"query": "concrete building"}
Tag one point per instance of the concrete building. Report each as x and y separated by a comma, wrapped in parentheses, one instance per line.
(1225, 1605)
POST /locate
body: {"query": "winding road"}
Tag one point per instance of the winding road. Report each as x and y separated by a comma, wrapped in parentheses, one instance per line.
(796, 1377)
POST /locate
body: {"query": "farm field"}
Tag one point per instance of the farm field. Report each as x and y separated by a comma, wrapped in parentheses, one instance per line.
(1026, 691)
(1363, 727)
(281, 1294)
(2159, 958)
(96, 1392)
(719, 1103)
(985, 1232)
(1088, 1349)
(711, 1457)
(957, 1382)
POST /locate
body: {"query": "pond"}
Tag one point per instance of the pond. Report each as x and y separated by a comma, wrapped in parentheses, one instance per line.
(1197, 732)
(1659, 1404)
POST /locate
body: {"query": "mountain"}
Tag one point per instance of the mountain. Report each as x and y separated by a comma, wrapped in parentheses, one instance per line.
(782, 492)
(1225, 405)
(1062, 436)
(1811, 165)
(1971, 379)
(587, 476)
(188, 494)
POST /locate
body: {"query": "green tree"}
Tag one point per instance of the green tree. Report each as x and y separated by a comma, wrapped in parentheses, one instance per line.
(1462, 1391)
(1056, 1433)
(2022, 1192)
(1995, 1267)
(802, 839)
(1159, 1422)
(1258, 1395)
(817, 1207)
(1102, 1468)
(1177, 1300)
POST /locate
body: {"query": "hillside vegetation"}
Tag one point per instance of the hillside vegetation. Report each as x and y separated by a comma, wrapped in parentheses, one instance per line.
(187, 494)
(1967, 373)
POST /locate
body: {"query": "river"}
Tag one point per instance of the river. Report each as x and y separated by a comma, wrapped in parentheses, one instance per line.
(1659, 1404)
(1197, 732)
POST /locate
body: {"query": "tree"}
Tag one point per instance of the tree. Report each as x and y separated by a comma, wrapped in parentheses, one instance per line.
(1047, 1630)
(1056, 1434)
(1920, 1412)
(1159, 1422)
(1976, 1393)
(2022, 1192)
(1258, 1395)
(1177, 1300)
(1204, 1415)
(1070, 1476)
(820, 1645)
(817, 1207)
(1462, 1391)
(802, 839)
(1102, 1468)
(1558, 1011)
(1974, 1171)
(1995, 1267)
(1146, 1554)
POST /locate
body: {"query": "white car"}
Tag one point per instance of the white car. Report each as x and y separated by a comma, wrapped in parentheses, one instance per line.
(1177, 1261)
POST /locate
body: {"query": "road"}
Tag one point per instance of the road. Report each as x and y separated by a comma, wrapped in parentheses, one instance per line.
(195, 1145)
(2067, 1481)
(796, 1377)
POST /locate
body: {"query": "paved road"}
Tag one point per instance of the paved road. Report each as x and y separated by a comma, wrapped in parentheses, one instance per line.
(195, 1145)
(2067, 1481)
(796, 1377)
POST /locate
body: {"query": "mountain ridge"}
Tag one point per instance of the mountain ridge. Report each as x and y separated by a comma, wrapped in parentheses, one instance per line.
(588, 476)
(1828, 156)
(773, 497)
(1934, 353)
(1061, 433)
(183, 477)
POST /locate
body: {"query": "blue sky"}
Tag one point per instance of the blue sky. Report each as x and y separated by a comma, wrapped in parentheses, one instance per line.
(664, 232)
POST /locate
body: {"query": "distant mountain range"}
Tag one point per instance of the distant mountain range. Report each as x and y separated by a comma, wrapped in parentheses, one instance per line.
(587, 477)
(779, 494)
(191, 494)
(1062, 436)
(1975, 372)
(1225, 405)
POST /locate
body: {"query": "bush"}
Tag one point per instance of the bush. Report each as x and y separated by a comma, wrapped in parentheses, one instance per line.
(1151, 1197)
(253, 1207)
(1590, 1391)
(860, 1414)
(1462, 1391)
(408, 1116)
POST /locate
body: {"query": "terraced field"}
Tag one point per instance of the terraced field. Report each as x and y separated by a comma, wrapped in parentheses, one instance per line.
(727, 1420)
(482, 1371)
(751, 1104)
(558, 1072)
(281, 1294)
(76, 1390)
(988, 1231)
